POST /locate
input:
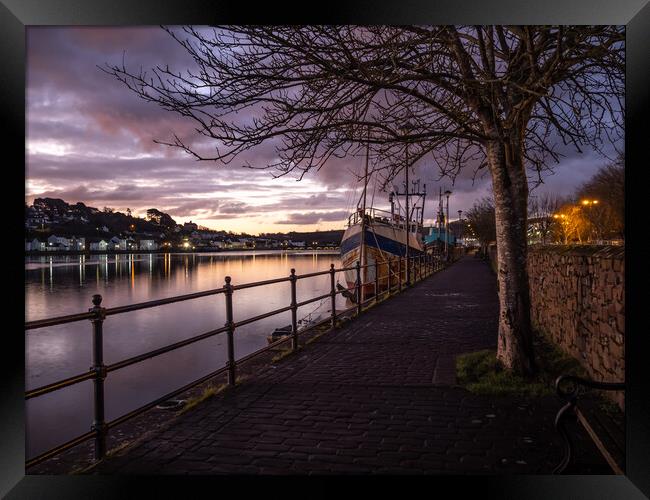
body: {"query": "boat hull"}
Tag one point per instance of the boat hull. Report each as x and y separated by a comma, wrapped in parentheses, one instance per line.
(383, 245)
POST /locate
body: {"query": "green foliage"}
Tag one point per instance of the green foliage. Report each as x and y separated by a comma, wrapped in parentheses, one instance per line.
(281, 355)
(481, 373)
(208, 392)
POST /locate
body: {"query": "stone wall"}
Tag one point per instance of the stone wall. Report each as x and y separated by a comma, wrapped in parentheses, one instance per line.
(578, 300)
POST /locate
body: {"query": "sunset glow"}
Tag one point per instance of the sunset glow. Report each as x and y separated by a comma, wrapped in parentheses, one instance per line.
(89, 139)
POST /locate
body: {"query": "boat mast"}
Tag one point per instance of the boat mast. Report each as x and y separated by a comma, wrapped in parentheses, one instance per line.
(362, 249)
(408, 223)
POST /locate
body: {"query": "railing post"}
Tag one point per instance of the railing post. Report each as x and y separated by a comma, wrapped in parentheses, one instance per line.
(399, 273)
(390, 271)
(376, 281)
(294, 312)
(99, 424)
(333, 293)
(358, 287)
(409, 267)
(232, 368)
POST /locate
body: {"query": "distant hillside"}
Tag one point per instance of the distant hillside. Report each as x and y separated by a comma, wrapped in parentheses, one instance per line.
(321, 237)
(57, 216)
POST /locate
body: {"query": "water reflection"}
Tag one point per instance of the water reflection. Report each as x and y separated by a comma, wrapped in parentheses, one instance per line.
(58, 352)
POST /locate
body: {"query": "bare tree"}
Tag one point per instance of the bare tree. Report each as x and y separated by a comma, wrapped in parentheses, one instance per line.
(488, 96)
(607, 188)
(481, 219)
(571, 224)
(541, 209)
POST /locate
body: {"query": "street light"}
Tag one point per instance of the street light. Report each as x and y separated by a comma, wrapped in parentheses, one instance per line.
(590, 203)
(447, 193)
(564, 222)
(460, 221)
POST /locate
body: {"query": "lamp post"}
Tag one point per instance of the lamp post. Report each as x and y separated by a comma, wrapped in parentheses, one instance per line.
(563, 223)
(590, 203)
(460, 221)
(447, 193)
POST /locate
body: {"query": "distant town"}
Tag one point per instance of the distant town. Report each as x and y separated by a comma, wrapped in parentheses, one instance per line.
(53, 225)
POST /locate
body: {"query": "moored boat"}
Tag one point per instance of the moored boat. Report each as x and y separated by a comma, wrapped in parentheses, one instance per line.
(377, 236)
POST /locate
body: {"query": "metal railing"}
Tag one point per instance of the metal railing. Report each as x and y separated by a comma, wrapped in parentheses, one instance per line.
(380, 216)
(421, 267)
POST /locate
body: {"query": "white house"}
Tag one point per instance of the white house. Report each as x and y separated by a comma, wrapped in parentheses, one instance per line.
(236, 243)
(148, 245)
(116, 243)
(37, 245)
(100, 246)
(59, 243)
(78, 243)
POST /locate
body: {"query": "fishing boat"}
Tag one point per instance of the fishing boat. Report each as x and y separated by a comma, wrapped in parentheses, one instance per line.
(383, 237)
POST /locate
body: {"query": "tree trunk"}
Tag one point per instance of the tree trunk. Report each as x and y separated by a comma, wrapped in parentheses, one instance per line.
(510, 187)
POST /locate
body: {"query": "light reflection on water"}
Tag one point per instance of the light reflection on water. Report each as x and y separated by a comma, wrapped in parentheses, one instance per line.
(60, 285)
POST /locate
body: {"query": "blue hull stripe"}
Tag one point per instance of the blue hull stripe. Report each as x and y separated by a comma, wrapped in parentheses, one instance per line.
(377, 241)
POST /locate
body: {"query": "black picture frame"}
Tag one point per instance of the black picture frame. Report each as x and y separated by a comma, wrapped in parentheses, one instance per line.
(15, 15)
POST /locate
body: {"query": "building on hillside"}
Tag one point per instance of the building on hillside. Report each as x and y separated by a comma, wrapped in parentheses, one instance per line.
(116, 243)
(264, 243)
(190, 226)
(36, 245)
(99, 246)
(58, 243)
(236, 243)
(148, 245)
(78, 244)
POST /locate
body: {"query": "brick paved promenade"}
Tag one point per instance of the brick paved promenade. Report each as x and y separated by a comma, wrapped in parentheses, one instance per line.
(376, 396)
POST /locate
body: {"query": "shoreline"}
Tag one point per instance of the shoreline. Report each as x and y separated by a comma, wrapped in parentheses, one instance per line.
(175, 251)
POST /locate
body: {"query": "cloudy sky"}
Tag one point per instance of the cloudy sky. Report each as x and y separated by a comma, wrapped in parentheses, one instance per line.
(90, 139)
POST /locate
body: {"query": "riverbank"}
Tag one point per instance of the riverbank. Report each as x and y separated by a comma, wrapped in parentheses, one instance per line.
(39, 253)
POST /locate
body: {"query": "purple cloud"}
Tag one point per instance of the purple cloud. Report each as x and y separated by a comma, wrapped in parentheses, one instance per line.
(90, 139)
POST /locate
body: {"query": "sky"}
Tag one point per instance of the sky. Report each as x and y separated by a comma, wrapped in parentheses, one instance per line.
(90, 139)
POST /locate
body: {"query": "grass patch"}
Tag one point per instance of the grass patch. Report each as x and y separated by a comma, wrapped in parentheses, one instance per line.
(207, 393)
(282, 354)
(82, 469)
(319, 332)
(481, 373)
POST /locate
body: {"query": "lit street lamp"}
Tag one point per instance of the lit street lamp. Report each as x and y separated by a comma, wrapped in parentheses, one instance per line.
(447, 193)
(590, 203)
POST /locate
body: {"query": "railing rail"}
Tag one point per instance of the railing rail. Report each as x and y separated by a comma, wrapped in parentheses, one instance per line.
(394, 280)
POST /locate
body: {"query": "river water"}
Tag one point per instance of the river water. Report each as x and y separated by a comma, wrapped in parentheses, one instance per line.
(60, 285)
